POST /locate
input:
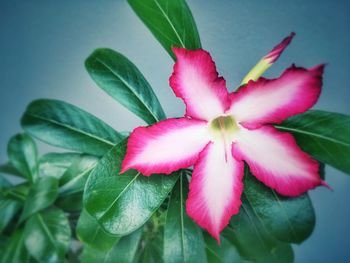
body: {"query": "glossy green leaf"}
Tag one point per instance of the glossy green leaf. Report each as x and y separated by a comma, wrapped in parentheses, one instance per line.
(122, 252)
(287, 219)
(120, 78)
(72, 169)
(64, 125)
(23, 155)
(170, 21)
(157, 250)
(127, 246)
(42, 194)
(151, 246)
(252, 240)
(9, 209)
(47, 235)
(150, 254)
(55, 164)
(4, 183)
(17, 192)
(8, 168)
(122, 203)
(183, 239)
(15, 251)
(3, 244)
(223, 253)
(74, 178)
(91, 233)
(70, 203)
(324, 135)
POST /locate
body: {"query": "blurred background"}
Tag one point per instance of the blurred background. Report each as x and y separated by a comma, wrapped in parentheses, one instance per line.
(44, 44)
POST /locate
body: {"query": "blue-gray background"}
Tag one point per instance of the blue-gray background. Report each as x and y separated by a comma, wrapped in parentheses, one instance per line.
(43, 45)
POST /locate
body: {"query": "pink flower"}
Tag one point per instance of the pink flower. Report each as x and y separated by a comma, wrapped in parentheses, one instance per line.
(222, 130)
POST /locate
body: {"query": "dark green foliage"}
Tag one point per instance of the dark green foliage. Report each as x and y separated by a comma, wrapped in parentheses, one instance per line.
(117, 76)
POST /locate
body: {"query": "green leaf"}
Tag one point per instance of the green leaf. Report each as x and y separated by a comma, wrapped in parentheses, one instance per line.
(9, 209)
(157, 251)
(64, 125)
(17, 192)
(122, 203)
(324, 135)
(151, 246)
(8, 168)
(122, 252)
(23, 155)
(3, 244)
(183, 240)
(127, 246)
(291, 220)
(15, 250)
(70, 203)
(42, 194)
(55, 164)
(47, 235)
(4, 183)
(90, 233)
(252, 240)
(223, 253)
(150, 254)
(74, 178)
(120, 78)
(170, 21)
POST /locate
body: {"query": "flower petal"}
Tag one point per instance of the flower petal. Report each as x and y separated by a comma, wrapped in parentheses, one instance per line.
(195, 80)
(272, 101)
(215, 189)
(268, 60)
(165, 146)
(276, 160)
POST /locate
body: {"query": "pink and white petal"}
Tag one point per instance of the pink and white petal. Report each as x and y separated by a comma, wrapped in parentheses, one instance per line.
(215, 189)
(275, 159)
(272, 101)
(276, 52)
(196, 81)
(166, 146)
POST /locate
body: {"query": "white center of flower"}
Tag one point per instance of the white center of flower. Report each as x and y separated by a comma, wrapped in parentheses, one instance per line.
(224, 128)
